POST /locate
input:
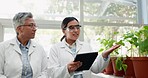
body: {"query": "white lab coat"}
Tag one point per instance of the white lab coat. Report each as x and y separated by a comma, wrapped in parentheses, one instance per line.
(11, 63)
(60, 55)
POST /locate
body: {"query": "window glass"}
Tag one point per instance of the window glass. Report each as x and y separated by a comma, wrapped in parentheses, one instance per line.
(48, 37)
(9, 33)
(41, 9)
(105, 11)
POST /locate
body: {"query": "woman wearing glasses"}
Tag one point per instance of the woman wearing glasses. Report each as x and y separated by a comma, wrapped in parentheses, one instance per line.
(21, 57)
(62, 54)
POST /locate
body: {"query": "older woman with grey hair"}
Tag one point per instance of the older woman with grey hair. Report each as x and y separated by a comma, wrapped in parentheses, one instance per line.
(21, 57)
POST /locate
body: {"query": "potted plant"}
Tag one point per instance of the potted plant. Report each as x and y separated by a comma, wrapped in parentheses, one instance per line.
(129, 38)
(139, 39)
(106, 43)
(115, 61)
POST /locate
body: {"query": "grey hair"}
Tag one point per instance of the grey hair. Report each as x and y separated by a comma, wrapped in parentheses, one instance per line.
(19, 18)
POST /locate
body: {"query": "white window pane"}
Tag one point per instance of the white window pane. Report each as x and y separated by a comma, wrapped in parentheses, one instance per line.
(9, 33)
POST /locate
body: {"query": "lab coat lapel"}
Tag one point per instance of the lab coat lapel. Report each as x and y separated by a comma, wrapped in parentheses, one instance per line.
(15, 46)
(17, 49)
(67, 48)
(63, 45)
(78, 46)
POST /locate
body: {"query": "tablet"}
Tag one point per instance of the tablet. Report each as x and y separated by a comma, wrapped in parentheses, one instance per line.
(87, 60)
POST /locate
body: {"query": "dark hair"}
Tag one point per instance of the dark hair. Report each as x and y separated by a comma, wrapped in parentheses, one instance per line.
(65, 22)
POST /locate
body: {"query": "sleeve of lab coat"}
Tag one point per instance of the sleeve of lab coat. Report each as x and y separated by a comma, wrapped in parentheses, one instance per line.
(99, 64)
(2, 62)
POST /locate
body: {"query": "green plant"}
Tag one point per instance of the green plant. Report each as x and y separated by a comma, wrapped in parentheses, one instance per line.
(132, 40)
(109, 42)
(120, 65)
(138, 39)
(106, 44)
(143, 41)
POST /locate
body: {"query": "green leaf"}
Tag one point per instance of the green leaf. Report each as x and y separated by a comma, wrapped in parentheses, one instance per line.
(124, 66)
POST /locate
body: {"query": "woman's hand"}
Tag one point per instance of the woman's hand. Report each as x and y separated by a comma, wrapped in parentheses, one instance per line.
(110, 50)
(72, 66)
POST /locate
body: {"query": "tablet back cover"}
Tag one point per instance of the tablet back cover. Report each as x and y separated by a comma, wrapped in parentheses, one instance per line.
(87, 60)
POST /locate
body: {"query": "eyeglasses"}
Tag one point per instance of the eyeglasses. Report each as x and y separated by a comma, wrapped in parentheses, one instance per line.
(73, 27)
(31, 26)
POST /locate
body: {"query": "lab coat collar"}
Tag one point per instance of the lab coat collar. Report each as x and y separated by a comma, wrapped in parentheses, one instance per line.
(78, 45)
(17, 49)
